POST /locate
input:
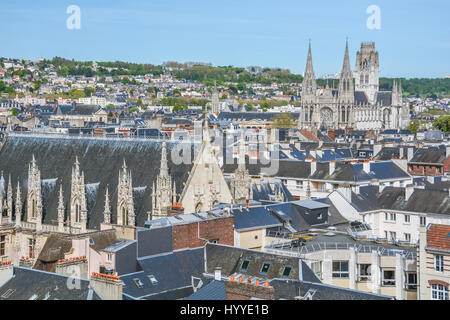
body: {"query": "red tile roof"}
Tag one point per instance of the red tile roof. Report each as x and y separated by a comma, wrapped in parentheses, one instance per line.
(309, 135)
(438, 237)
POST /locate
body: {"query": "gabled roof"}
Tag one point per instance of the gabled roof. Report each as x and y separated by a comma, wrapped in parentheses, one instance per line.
(430, 155)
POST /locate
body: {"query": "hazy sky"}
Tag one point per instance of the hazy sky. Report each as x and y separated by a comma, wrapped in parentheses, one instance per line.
(413, 40)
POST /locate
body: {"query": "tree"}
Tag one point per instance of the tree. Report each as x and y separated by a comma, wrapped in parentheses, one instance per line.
(442, 123)
(283, 120)
(414, 126)
(134, 109)
(139, 102)
(15, 112)
(88, 91)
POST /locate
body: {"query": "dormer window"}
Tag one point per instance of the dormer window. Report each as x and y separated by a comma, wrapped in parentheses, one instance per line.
(265, 268)
(286, 271)
(244, 265)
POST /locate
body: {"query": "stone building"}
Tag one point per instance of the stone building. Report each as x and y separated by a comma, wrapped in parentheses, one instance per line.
(357, 102)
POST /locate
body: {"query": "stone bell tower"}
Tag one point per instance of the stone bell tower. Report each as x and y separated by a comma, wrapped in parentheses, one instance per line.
(367, 70)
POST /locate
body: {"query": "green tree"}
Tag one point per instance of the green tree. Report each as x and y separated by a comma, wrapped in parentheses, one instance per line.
(442, 123)
(283, 120)
(88, 91)
(414, 126)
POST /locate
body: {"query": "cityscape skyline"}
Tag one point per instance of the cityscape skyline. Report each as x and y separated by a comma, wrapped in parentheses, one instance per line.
(270, 36)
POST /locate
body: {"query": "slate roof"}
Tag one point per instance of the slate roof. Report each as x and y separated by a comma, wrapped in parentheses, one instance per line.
(383, 98)
(250, 116)
(173, 271)
(100, 160)
(360, 97)
(438, 237)
(230, 260)
(421, 200)
(42, 285)
(215, 290)
(430, 155)
(319, 291)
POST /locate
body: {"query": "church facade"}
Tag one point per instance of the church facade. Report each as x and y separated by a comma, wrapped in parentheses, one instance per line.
(357, 103)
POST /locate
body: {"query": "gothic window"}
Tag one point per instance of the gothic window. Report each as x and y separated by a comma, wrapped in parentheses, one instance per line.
(361, 79)
(124, 216)
(33, 208)
(367, 78)
(199, 207)
(77, 213)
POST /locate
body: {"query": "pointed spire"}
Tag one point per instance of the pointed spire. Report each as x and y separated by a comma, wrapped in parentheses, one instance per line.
(394, 87)
(164, 170)
(18, 205)
(124, 166)
(107, 211)
(346, 66)
(60, 198)
(309, 64)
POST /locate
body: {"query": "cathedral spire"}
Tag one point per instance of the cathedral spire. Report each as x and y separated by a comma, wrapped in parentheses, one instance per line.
(346, 88)
(18, 205)
(107, 211)
(9, 199)
(309, 79)
(60, 210)
(164, 171)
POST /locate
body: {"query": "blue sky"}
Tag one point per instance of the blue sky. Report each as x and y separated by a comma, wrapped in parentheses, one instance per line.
(413, 40)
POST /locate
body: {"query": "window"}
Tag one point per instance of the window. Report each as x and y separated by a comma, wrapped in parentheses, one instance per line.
(153, 280)
(31, 243)
(2, 245)
(392, 216)
(388, 278)
(287, 271)
(392, 235)
(385, 235)
(407, 218)
(138, 283)
(299, 184)
(364, 272)
(8, 293)
(265, 268)
(439, 292)
(244, 265)
(340, 269)
(408, 237)
(411, 281)
(316, 267)
(214, 241)
(109, 257)
(423, 221)
(439, 262)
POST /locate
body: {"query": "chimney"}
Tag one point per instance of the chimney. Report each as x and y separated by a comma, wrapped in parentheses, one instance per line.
(6, 272)
(332, 166)
(346, 192)
(410, 153)
(401, 152)
(366, 166)
(313, 166)
(408, 191)
(107, 286)
(218, 274)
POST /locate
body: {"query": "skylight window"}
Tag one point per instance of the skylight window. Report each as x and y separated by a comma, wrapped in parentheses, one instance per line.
(244, 265)
(153, 280)
(138, 283)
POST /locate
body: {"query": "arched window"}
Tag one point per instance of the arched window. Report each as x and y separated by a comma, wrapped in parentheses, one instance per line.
(199, 207)
(33, 208)
(77, 213)
(124, 216)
